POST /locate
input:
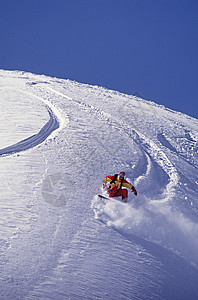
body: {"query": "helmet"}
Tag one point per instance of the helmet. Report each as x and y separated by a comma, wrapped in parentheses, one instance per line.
(122, 172)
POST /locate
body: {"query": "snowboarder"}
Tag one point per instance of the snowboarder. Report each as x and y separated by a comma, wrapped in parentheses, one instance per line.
(117, 181)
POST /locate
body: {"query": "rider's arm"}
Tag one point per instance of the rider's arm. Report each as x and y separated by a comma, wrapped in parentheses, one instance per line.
(107, 178)
(129, 186)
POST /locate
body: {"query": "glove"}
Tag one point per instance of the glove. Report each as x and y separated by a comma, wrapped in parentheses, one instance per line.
(134, 191)
(104, 185)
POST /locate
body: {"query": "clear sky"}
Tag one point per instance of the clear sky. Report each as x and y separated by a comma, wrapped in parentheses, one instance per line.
(144, 46)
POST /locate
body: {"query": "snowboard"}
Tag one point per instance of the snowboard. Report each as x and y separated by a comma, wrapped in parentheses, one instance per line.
(112, 198)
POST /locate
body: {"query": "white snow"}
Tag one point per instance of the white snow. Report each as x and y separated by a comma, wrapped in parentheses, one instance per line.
(58, 240)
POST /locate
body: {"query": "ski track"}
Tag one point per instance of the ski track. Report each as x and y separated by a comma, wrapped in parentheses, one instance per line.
(55, 123)
(34, 140)
(102, 250)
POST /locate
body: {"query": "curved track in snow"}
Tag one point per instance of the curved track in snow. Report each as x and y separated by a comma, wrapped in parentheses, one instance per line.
(35, 139)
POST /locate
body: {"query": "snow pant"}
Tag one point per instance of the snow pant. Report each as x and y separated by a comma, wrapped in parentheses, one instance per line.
(114, 193)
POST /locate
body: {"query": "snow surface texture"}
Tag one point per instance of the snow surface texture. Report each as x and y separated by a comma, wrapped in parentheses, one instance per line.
(58, 240)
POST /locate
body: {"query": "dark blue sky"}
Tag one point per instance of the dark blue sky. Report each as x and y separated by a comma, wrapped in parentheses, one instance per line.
(144, 46)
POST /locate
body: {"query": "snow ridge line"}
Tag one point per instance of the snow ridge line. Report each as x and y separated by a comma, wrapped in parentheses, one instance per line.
(55, 123)
(148, 146)
(162, 160)
(148, 169)
(56, 112)
(33, 140)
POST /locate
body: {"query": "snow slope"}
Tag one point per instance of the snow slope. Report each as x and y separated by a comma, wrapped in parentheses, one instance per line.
(58, 240)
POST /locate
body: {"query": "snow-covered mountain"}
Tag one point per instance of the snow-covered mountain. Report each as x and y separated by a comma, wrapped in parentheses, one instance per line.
(58, 240)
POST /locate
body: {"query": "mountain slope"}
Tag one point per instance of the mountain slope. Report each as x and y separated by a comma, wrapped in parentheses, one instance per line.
(58, 239)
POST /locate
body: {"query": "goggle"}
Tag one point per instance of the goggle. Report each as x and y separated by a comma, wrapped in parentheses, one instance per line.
(121, 175)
